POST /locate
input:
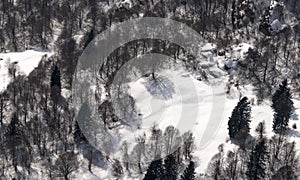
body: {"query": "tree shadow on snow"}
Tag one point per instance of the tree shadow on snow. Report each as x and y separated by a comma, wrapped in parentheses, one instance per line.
(295, 116)
(293, 133)
(161, 87)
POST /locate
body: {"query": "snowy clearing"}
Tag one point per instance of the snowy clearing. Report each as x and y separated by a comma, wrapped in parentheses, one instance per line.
(167, 112)
(24, 62)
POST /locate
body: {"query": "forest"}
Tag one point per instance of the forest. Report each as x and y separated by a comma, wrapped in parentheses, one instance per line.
(40, 137)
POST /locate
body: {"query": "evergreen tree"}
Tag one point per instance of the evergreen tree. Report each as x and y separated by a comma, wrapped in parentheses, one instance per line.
(155, 170)
(15, 142)
(171, 168)
(261, 129)
(55, 83)
(256, 165)
(78, 135)
(282, 106)
(89, 38)
(239, 121)
(3, 105)
(55, 78)
(189, 172)
(14, 132)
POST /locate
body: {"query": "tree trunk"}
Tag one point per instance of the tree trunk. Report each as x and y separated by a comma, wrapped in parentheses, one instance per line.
(153, 75)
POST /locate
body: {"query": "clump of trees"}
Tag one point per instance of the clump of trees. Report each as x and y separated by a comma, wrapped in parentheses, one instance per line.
(174, 147)
(282, 104)
(36, 125)
(275, 157)
(155, 169)
(264, 157)
(170, 169)
(189, 172)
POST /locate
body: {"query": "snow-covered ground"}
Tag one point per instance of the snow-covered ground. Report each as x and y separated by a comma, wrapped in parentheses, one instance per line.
(171, 110)
(168, 111)
(24, 62)
(179, 99)
(166, 108)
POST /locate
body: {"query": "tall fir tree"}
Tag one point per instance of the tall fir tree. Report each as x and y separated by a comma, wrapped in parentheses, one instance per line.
(189, 172)
(155, 170)
(14, 132)
(239, 121)
(171, 168)
(256, 165)
(282, 105)
(55, 83)
(15, 142)
(55, 77)
(261, 129)
(78, 135)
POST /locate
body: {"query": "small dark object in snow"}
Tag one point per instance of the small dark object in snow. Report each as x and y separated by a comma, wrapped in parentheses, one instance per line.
(1, 59)
(226, 67)
(146, 75)
(215, 51)
(294, 126)
(15, 62)
(221, 53)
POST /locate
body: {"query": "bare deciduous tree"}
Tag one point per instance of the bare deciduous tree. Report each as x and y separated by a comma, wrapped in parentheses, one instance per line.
(65, 165)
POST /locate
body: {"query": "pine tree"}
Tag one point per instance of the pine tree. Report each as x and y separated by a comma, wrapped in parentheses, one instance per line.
(55, 84)
(14, 132)
(78, 135)
(155, 170)
(55, 78)
(239, 121)
(256, 165)
(171, 168)
(189, 172)
(282, 106)
(15, 140)
(261, 129)
(3, 105)
(89, 38)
